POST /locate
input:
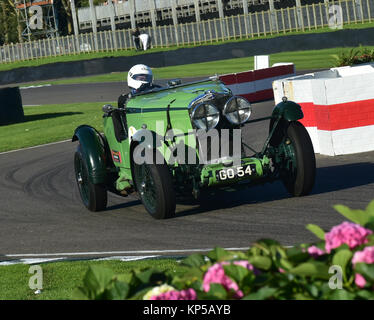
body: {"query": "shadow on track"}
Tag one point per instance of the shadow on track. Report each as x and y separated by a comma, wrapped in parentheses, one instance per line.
(328, 179)
(341, 177)
(124, 205)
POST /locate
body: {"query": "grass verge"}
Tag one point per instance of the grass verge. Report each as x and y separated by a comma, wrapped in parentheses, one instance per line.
(61, 278)
(49, 123)
(303, 60)
(126, 53)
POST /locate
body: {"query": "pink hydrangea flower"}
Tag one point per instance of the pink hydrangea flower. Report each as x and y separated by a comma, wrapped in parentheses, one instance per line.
(360, 280)
(346, 233)
(216, 274)
(188, 294)
(364, 256)
(315, 252)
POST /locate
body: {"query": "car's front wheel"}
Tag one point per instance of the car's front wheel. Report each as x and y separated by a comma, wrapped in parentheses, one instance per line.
(295, 160)
(94, 196)
(155, 188)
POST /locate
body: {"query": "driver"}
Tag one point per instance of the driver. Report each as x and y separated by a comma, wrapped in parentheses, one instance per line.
(139, 79)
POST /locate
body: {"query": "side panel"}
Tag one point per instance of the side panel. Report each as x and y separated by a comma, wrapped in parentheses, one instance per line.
(120, 154)
(119, 150)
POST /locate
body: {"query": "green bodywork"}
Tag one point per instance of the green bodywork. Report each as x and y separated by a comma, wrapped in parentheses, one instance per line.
(170, 108)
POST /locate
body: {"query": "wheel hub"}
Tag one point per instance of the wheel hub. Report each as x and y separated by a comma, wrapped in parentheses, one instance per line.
(79, 178)
(143, 188)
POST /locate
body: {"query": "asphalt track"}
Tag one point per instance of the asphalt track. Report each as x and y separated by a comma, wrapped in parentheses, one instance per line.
(41, 214)
(89, 92)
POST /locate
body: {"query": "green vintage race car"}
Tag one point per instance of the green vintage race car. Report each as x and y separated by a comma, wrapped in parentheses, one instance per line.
(186, 138)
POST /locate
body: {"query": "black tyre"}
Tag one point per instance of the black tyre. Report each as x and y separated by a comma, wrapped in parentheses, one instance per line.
(299, 168)
(94, 196)
(155, 188)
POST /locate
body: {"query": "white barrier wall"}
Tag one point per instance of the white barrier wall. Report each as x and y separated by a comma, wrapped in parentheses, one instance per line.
(338, 107)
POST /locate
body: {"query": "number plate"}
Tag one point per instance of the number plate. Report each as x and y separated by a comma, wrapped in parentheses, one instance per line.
(236, 172)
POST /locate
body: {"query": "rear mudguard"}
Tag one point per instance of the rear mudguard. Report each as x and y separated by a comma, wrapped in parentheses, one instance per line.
(93, 147)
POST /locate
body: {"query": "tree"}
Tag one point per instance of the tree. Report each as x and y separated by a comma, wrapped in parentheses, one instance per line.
(65, 14)
(16, 13)
(66, 17)
(8, 22)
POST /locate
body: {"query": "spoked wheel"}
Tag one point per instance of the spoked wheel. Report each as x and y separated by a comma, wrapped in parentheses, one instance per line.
(295, 160)
(155, 188)
(93, 196)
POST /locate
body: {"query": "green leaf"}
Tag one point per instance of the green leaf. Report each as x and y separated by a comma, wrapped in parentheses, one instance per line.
(341, 258)
(81, 293)
(139, 294)
(216, 292)
(238, 255)
(237, 273)
(262, 294)
(313, 290)
(285, 264)
(186, 278)
(318, 232)
(150, 276)
(196, 285)
(365, 294)
(219, 254)
(341, 294)
(311, 269)
(260, 262)
(301, 296)
(367, 270)
(360, 217)
(370, 224)
(343, 246)
(119, 291)
(268, 242)
(296, 255)
(194, 260)
(96, 280)
(124, 277)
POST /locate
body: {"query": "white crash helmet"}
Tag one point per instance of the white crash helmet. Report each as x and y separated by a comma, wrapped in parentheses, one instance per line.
(139, 75)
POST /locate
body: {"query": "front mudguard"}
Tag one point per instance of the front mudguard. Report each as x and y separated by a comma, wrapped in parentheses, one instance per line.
(283, 114)
(93, 147)
(288, 110)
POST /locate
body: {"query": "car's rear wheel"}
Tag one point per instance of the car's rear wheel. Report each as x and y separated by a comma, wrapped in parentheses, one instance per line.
(296, 160)
(94, 196)
(155, 188)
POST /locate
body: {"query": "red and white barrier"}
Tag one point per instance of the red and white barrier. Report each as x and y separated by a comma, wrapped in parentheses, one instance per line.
(256, 85)
(338, 107)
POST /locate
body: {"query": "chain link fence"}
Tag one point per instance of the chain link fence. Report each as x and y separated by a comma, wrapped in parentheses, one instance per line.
(308, 17)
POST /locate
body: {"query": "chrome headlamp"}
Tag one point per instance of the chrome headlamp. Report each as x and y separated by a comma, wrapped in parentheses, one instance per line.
(237, 110)
(205, 116)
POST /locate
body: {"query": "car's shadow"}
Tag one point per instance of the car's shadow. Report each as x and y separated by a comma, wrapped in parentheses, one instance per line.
(124, 205)
(328, 179)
